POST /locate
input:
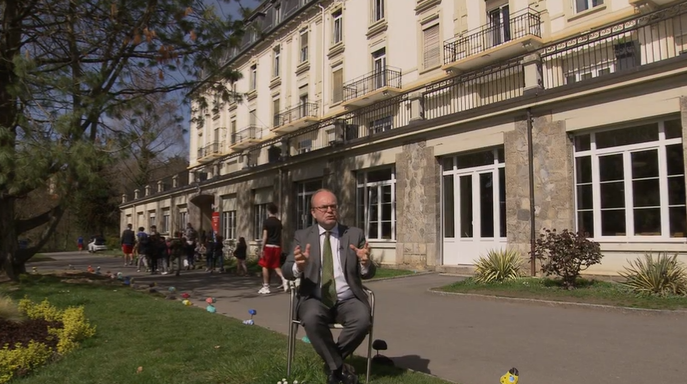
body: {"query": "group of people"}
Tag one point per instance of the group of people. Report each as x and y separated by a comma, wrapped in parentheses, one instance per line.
(156, 254)
(329, 258)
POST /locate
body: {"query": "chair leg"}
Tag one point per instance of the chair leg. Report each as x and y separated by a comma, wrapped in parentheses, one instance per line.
(290, 349)
(369, 355)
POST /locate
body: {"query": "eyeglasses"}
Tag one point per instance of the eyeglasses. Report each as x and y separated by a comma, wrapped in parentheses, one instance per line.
(325, 208)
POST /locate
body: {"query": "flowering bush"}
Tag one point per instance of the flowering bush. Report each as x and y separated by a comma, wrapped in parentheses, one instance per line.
(67, 327)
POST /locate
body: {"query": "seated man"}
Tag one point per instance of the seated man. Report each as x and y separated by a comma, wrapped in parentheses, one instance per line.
(331, 258)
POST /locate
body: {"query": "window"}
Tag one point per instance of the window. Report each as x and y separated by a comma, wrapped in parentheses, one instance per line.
(376, 204)
(630, 183)
(431, 47)
(233, 131)
(139, 219)
(152, 220)
(304, 46)
(275, 62)
(260, 214)
(229, 225)
(304, 192)
(499, 25)
(337, 85)
(379, 67)
(253, 77)
(277, 14)
(589, 72)
(303, 102)
(275, 113)
(252, 118)
(583, 5)
(165, 225)
(381, 125)
(337, 26)
(183, 219)
(304, 146)
(377, 10)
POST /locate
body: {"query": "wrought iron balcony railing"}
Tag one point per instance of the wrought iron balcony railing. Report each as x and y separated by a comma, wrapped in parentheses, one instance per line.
(252, 132)
(521, 24)
(300, 111)
(208, 150)
(387, 77)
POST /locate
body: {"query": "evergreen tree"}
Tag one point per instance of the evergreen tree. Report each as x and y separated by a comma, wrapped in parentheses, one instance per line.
(69, 66)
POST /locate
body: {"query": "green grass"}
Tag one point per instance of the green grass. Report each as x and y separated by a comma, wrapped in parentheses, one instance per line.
(589, 291)
(173, 343)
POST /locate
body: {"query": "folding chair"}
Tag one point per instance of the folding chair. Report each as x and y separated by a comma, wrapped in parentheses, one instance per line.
(294, 323)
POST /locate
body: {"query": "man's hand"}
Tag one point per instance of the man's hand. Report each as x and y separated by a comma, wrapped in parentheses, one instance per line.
(362, 253)
(301, 257)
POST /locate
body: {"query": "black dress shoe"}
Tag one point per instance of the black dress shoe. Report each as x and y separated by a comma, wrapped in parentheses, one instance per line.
(348, 375)
(333, 379)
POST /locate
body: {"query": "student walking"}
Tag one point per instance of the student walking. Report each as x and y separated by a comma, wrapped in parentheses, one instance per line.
(271, 250)
(240, 255)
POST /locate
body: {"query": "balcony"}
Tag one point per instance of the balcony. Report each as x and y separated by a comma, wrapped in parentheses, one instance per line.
(245, 138)
(494, 42)
(209, 152)
(375, 86)
(297, 117)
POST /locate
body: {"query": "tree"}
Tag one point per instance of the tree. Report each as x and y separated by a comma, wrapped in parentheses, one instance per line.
(66, 66)
(149, 132)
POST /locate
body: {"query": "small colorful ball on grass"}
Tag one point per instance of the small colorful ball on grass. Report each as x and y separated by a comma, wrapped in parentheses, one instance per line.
(172, 289)
(185, 295)
(211, 309)
(210, 300)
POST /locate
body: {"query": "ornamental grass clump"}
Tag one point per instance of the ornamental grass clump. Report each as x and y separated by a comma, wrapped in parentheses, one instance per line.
(662, 276)
(498, 266)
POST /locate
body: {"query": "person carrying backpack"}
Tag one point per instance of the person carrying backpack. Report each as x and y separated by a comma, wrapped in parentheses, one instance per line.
(143, 245)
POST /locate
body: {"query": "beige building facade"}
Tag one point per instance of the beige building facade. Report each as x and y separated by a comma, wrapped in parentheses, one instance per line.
(448, 127)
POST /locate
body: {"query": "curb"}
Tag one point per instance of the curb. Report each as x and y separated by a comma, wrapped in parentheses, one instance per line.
(399, 277)
(562, 303)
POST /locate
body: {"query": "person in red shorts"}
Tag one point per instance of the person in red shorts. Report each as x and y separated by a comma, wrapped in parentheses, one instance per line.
(128, 242)
(271, 250)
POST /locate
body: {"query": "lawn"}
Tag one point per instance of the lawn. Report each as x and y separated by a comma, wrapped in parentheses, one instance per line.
(589, 291)
(172, 343)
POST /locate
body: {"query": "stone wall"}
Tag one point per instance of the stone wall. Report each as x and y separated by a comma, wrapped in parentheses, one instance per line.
(244, 210)
(683, 116)
(340, 179)
(553, 180)
(418, 228)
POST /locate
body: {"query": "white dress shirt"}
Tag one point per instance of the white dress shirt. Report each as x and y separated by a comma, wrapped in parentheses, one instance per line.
(343, 290)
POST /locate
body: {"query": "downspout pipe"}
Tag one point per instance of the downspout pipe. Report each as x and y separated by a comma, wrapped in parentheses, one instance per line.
(530, 165)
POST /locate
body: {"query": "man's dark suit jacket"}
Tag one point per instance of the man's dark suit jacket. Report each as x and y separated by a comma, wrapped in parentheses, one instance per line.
(310, 278)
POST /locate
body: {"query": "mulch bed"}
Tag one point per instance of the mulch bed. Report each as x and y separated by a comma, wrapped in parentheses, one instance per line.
(37, 330)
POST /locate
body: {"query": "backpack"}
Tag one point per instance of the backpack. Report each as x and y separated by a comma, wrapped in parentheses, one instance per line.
(143, 239)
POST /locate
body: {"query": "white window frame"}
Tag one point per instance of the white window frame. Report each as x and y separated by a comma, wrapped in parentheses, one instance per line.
(337, 26)
(381, 124)
(259, 217)
(377, 11)
(303, 197)
(365, 188)
(152, 220)
(334, 85)
(183, 219)
(253, 77)
(495, 168)
(277, 14)
(590, 5)
(276, 58)
(165, 225)
(303, 45)
(379, 66)
(304, 146)
(229, 225)
(626, 150)
(595, 71)
(276, 109)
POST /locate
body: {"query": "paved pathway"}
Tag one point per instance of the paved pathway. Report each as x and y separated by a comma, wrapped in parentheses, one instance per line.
(471, 340)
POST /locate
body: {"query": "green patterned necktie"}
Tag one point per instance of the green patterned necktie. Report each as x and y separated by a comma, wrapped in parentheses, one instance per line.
(328, 285)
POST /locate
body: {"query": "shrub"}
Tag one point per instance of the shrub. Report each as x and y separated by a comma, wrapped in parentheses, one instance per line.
(566, 254)
(9, 310)
(661, 276)
(20, 360)
(498, 266)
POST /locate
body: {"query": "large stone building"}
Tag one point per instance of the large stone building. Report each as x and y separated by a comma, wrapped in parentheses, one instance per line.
(448, 126)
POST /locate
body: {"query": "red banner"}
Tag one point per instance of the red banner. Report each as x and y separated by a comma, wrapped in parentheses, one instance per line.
(215, 222)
